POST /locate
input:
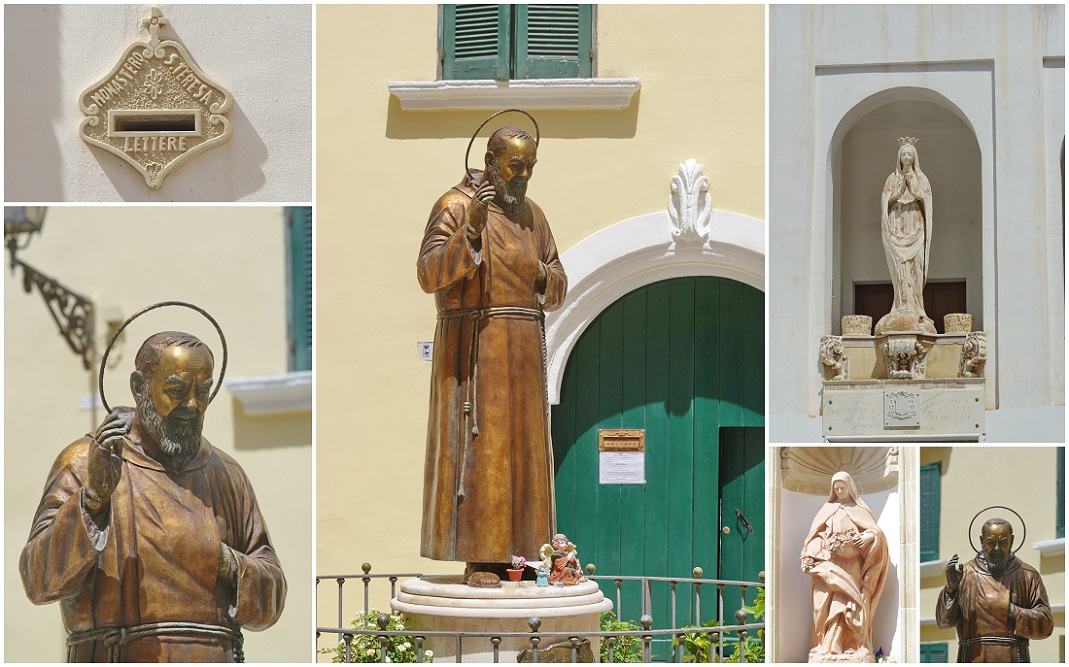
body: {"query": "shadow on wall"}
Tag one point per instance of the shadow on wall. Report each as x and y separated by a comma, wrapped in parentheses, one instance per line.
(291, 429)
(31, 102)
(558, 124)
(223, 173)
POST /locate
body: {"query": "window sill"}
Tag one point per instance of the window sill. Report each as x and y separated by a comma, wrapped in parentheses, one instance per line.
(273, 394)
(932, 568)
(1050, 547)
(534, 94)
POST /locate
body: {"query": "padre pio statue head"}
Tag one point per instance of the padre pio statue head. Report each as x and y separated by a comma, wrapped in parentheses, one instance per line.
(172, 387)
(511, 154)
(996, 538)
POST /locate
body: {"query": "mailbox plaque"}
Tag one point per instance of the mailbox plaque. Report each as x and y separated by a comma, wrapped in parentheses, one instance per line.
(622, 456)
(155, 108)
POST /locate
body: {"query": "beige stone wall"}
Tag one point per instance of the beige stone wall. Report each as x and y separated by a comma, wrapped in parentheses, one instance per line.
(230, 261)
(1023, 478)
(379, 171)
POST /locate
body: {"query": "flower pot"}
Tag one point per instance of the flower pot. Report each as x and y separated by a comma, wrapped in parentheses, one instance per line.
(514, 575)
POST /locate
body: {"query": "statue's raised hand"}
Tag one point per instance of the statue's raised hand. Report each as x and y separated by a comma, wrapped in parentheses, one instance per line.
(954, 574)
(105, 461)
(476, 210)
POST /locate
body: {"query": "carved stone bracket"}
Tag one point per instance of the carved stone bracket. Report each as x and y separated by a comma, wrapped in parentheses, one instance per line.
(72, 312)
(690, 205)
(905, 355)
(833, 357)
(973, 355)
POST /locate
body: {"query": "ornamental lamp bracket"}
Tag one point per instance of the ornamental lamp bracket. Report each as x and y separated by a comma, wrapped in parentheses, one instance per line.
(156, 108)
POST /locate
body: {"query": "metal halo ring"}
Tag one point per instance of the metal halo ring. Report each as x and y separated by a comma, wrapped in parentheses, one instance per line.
(115, 336)
(1024, 527)
(467, 153)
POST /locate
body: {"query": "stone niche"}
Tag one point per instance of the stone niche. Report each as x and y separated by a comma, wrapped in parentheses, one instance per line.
(903, 386)
(800, 484)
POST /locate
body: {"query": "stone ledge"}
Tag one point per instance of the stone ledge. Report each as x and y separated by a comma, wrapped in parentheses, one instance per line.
(1050, 547)
(933, 568)
(533, 94)
(273, 394)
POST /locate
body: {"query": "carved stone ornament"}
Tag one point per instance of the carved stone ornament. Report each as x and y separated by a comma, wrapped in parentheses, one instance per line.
(973, 355)
(905, 355)
(809, 469)
(834, 359)
(155, 108)
(901, 408)
(690, 205)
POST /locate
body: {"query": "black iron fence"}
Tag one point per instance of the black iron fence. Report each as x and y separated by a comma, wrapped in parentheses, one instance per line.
(720, 642)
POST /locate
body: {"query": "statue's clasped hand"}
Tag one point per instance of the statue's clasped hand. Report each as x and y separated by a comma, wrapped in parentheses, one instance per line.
(105, 461)
(863, 540)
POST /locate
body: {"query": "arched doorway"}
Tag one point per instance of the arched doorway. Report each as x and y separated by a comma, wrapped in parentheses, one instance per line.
(950, 156)
(682, 359)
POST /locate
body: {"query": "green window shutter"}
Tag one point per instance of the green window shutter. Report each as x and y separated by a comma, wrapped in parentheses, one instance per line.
(930, 509)
(553, 41)
(1060, 528)
(935, 652)
(475, 41)
(300, 301)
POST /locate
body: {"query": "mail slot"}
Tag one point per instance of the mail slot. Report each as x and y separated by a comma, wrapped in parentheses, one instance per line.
(146, 122)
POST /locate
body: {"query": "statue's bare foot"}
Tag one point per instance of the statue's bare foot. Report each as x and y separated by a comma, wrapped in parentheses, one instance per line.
(478, 575)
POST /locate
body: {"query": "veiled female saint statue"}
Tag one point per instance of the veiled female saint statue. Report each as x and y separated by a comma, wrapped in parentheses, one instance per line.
(906, 229)
(845, 553)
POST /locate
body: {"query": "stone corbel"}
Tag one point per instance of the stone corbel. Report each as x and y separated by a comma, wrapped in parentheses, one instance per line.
(690, 205)
(833, 357)
(973, 355)
(905, 356)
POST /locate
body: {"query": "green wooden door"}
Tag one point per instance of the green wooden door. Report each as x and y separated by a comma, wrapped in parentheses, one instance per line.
(684, 360)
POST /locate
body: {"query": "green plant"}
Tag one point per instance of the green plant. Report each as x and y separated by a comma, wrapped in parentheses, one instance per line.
(367, 648)
(626, 649)
(700, 647)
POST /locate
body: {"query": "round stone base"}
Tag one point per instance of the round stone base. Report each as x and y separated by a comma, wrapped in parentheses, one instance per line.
(444, 602)
(904, 321)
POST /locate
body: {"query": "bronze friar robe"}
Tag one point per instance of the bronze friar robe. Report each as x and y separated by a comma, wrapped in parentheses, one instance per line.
(488, 476)
(153, 559)
(982, 609)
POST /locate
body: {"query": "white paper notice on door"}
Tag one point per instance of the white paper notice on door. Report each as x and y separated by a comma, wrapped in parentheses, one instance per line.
(622, 467)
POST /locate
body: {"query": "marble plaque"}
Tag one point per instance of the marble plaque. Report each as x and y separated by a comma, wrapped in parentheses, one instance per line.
(884, 409)
(155, 108)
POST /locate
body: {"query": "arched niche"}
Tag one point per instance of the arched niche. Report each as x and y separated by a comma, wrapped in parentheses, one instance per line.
(864, 153)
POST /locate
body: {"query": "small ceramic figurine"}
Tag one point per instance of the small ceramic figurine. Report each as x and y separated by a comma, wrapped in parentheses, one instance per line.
(561, 560)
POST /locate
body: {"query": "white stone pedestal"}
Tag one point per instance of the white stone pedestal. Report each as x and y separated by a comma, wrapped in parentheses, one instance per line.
(444, 602)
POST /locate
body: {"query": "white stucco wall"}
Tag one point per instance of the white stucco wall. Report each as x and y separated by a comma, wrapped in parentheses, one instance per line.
(262, 54)
(1001, 70)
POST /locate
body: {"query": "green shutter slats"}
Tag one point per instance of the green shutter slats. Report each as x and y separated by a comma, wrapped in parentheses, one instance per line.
(930, 510)
(553, 30)
(300, 325)
(476, 41)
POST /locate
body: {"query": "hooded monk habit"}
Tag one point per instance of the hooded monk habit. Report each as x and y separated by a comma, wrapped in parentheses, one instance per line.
(488, 476)
(847, 579)
(981, 612)
(153, 559)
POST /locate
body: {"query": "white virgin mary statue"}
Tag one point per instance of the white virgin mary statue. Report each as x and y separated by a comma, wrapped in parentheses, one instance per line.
(906, 229)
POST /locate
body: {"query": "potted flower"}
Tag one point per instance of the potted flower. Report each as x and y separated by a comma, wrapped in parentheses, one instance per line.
(516, 571)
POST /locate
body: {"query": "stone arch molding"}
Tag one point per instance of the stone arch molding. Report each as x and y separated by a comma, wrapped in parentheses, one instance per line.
(689, 238)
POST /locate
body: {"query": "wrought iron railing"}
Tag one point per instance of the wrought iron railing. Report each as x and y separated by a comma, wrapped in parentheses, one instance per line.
(719, 636)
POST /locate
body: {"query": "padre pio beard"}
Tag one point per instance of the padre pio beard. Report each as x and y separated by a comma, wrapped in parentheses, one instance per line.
(996, 562)
(179, 439)
(513, 193)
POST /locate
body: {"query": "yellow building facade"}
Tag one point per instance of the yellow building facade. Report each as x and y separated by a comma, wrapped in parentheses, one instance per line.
(230, 261)
(604, 179)
(969, 479)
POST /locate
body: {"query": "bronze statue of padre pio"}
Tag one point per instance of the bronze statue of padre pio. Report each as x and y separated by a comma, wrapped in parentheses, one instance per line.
(489, 258)
(151, 538)
(996, 602)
